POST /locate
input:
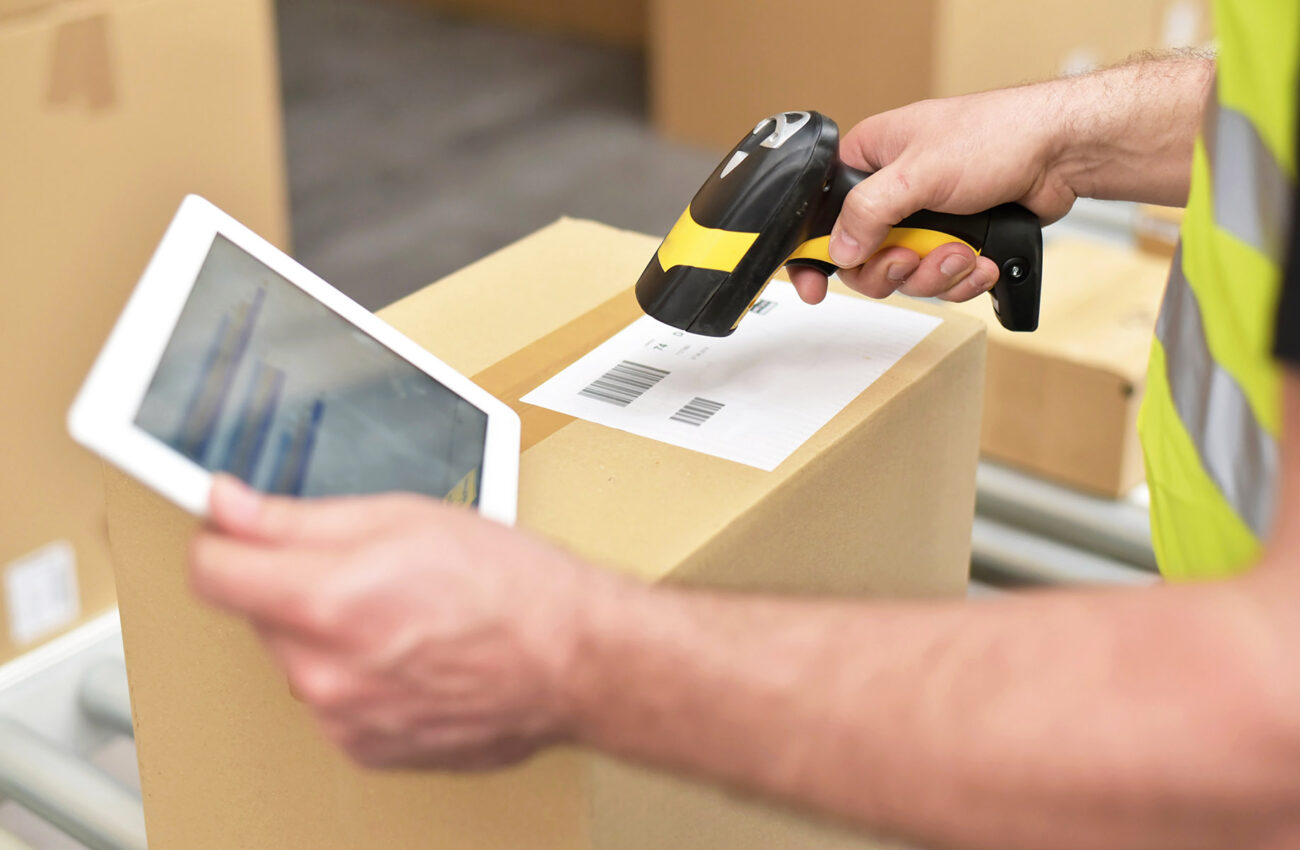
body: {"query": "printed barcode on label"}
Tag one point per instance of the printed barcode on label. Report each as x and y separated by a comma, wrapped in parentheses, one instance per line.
(697, 411)
(624, 384)
(763, 306)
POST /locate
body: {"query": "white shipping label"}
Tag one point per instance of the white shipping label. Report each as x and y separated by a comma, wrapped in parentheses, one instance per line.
(41, 592)
(753, 397)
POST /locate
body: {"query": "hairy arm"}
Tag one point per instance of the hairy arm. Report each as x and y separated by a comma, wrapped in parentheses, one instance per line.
(1127, 132)
(424, 636)
(1163, 717)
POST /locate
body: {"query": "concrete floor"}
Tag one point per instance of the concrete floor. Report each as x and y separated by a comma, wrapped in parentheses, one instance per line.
(417, 144)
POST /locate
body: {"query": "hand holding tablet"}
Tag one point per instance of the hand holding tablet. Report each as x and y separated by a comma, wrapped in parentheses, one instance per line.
(231, 357)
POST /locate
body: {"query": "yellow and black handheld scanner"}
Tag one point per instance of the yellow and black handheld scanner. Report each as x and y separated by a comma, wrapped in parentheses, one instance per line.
(772, 202)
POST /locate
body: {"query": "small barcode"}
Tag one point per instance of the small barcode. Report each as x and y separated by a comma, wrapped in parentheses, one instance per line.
(763, 306)
(697, 411)
(624, 384)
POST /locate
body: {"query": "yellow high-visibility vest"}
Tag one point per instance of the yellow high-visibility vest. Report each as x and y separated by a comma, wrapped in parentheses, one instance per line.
(1211, 419)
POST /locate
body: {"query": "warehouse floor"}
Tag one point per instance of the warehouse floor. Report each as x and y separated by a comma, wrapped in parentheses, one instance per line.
(417, 144)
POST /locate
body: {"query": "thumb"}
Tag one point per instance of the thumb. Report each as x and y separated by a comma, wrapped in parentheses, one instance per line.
(870, 209)
(244, 513)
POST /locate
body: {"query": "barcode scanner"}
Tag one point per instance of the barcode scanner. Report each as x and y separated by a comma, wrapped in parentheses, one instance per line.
(772, 202)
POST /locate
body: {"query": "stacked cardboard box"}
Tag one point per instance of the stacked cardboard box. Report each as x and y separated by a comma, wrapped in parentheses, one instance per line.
(1063, 401)
(109, 113)
(718, 66)
(1157, 229)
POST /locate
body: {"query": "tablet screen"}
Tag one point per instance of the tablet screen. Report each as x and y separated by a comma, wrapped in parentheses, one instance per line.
(262, 381)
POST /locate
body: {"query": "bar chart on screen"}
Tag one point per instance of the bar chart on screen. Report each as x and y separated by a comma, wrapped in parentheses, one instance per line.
(273, 432)
(261, 381)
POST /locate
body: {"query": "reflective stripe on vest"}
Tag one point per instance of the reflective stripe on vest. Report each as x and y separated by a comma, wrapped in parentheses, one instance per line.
(1238, 454)
(1252, 194)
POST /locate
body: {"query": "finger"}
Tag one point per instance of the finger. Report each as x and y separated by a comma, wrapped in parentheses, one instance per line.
(976, 283)
(941, 270)
(253, 580)
(879, 276)
(286, 652)
(327, 676)
(868, 145)
(808, 282)
(243, 512)
(870, 209)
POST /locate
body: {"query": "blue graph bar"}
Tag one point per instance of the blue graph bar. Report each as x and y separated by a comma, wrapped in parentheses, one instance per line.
(308, 445)
(224, 357)
(293, 452)
(283, 446)
(189, 436)
(254, 422)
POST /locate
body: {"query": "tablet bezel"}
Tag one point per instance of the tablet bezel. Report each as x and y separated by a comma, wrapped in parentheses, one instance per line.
(103, 416)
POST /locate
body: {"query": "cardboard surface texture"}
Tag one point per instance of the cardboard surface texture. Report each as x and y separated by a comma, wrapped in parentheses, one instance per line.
(1063, 401)
(879, 502)
(110, 112)
(718, 66)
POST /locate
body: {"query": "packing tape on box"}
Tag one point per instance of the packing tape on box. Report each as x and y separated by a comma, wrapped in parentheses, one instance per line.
(81, 63)
(529, 367)
(514, 376)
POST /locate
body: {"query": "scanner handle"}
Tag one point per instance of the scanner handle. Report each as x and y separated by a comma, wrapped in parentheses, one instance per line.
(1008, 234)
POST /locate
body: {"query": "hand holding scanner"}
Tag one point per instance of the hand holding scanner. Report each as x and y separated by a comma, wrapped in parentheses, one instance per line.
(773, 200)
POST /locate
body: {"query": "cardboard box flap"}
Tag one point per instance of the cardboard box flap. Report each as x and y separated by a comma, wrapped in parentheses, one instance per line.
(606, 259)
(1099, 307)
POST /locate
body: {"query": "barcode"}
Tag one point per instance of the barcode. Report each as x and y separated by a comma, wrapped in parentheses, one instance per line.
(624, 384)
(697, 411)
(762, 306)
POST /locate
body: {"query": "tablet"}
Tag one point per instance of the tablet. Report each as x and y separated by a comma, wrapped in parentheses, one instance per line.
(231, 357)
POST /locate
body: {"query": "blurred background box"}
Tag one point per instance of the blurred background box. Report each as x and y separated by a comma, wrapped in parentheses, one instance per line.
(1063, 401)
(878, 502)
(718, 66)
(109, 113)
(1156, 229)
(621, 22)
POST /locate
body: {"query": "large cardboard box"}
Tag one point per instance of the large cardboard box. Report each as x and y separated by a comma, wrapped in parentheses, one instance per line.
(879, 501)
(1063, 401)
(718, 66)
(109, 113)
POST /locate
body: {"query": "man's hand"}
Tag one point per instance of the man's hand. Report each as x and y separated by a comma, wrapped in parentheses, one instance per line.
(1124, 133)
(420, 634)
(959, 155)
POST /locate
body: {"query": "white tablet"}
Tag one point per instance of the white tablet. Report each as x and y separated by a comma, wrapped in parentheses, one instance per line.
(232, 357)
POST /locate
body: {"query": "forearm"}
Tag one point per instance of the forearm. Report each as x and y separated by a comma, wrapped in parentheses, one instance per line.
(1127, 133)
(1104, 720)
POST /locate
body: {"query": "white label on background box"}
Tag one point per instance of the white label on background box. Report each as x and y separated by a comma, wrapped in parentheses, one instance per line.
(41, 593)
(753, 397)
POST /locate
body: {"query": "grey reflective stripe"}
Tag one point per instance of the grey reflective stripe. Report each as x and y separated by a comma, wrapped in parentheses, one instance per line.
(1240, 457)
(1252, 194)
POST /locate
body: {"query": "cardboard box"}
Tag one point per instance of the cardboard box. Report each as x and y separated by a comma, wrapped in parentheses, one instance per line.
(718, 66)
(109, 113)
(1062, 402)
(1157, 229)
(620, 22)
(879, 501)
